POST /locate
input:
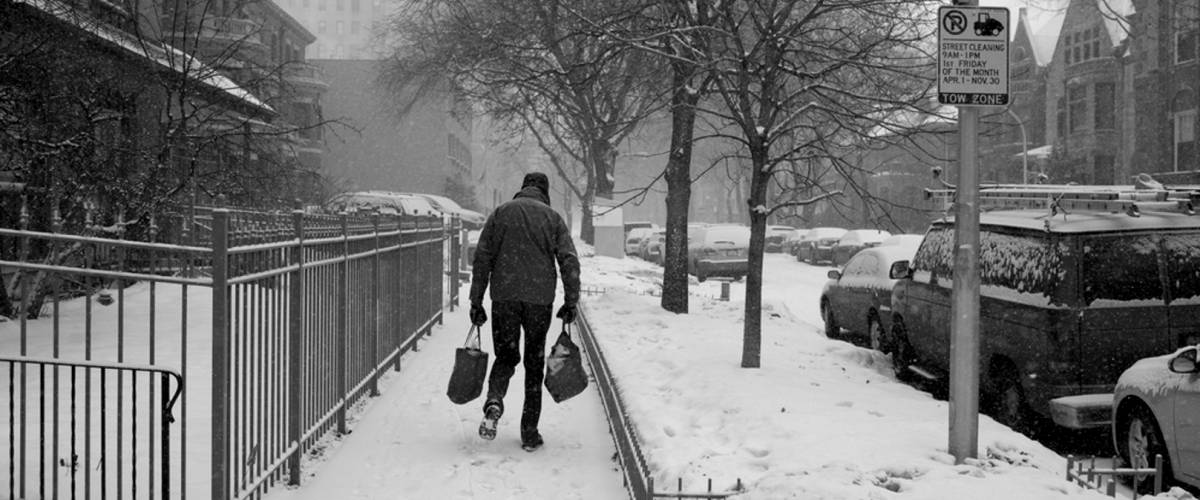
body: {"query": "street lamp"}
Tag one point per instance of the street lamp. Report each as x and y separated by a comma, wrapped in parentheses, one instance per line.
(1024, 147)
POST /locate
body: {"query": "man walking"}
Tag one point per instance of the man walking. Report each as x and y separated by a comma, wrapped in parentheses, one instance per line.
(517, 250)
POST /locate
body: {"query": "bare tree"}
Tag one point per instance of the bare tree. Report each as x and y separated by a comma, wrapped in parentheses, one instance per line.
(809, 83)
(536, 64)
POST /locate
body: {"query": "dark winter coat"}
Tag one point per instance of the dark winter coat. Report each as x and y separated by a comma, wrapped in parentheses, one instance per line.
(517, 250)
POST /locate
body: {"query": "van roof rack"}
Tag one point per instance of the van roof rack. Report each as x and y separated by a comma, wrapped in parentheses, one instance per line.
(1131, 200)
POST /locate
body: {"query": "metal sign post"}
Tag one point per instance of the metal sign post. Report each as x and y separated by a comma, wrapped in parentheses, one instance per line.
(972, 71)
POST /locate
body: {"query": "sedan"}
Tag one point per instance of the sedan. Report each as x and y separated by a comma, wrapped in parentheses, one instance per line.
(775, 237)
(858, 298)
(817, 244)
(792, 240)
(718, 251)
(651, 247)
(1157, 412)
(855, 240)
(634, 238)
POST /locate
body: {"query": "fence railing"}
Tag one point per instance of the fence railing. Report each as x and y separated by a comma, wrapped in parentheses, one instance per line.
(279, 321)
(1084, 472)
(305, 319)
(79, 429)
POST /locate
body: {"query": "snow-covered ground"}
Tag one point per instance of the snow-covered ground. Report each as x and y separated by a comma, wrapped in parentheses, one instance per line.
(819, 419)
(412, 442)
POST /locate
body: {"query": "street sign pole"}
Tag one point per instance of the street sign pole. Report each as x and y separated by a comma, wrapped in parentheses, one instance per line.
(972, 73)
(964, 330)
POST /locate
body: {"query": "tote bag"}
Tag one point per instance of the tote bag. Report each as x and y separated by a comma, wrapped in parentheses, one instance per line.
(470, 370)
(565, 377)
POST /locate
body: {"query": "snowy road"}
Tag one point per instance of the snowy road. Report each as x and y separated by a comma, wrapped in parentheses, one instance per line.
(412, 442)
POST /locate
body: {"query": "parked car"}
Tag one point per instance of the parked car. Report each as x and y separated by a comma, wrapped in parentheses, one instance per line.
(651, 247)
(1066, 305)
(384, 202)
(634, 238)
(775, 237)
(859, 297)
(719, 250)
(902, 239)
(855, 240)
(1156, 407)
(817, 245)
(629, 226)
(792, 239)
(470, 218)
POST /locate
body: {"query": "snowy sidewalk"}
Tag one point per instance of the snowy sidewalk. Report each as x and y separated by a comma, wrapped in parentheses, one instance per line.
(412, 442)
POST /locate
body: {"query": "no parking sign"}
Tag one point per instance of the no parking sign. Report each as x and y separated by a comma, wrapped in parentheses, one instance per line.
(973, 56)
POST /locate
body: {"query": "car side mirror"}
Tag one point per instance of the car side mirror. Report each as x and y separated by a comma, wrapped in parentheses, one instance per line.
(834, 274)
(900, 270)
(1185, 362)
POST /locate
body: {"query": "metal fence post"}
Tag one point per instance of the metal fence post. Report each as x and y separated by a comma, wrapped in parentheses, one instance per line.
(342, 324)
(453, 261)
(374, 306)
(295, 342)
(220, 356)
(399, 303)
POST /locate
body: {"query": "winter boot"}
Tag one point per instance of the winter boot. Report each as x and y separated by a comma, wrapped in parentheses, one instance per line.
(532, 443)
(487, 428)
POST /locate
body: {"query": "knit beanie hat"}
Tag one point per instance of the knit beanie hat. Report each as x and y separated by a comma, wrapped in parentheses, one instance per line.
(538, 180)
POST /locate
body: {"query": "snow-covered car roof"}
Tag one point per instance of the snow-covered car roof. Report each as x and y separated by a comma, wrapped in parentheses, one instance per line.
(818, 233)
(1085, 221)
(855, 236)
(384, 201)
(903, 239)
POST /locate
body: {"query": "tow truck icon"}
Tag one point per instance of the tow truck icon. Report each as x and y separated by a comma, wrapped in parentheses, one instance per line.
(986, 26)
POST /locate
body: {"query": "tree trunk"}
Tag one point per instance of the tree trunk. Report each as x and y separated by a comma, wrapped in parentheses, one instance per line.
(752, 329)
(679, 189)
(587, 227)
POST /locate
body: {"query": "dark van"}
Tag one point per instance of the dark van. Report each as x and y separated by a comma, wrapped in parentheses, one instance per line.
(1067, 302)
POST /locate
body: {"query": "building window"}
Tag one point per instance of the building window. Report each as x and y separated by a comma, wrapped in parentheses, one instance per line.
(1185, 46)
(354, 5)
(1105, 116)
(341, 4)
(1185, 139)
(341, 28)
(1076, 107)
(320, 4)
(1061, 118)
(321, 27)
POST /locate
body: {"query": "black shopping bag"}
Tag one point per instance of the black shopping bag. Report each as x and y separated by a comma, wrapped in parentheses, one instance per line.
(565, 377)
(470, 370)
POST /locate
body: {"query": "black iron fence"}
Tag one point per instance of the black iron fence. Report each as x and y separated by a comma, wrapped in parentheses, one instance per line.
(278, 321)
(79, 429)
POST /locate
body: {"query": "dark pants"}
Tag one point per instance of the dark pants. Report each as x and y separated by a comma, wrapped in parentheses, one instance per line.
(507, 320)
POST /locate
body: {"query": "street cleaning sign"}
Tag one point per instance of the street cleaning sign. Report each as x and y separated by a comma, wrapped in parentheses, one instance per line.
(973, 56)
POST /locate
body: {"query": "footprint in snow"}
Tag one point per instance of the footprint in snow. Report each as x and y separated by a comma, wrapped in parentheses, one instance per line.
(846, 404)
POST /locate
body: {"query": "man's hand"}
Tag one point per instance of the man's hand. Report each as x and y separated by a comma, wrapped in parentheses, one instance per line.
(478, 316)
(567, 313)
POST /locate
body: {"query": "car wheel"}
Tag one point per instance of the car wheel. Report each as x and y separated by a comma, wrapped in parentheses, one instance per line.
(1143, 440)
(832, 330)
(875, 334)
(902, 352)
(701, 276)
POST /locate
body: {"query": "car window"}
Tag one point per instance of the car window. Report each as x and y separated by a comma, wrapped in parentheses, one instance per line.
(735, 235)
(935, 257)
(862, 264)
(1121, 268)
(1182, 255)
(1028, 264)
